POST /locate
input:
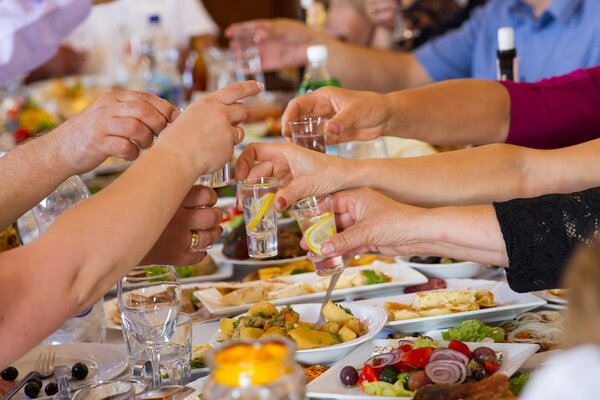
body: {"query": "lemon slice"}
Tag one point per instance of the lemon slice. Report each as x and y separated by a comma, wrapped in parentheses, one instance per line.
(317, 234)
(262, 205)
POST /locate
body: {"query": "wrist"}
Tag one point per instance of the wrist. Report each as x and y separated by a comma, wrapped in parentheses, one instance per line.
(172, 147)
(58, 154)
(393, 108)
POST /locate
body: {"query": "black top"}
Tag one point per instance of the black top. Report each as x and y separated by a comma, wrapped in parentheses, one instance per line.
(541, 234)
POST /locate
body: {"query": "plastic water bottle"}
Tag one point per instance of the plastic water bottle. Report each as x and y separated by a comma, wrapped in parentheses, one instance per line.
(161, 76)
(316, 74)
(89, 326)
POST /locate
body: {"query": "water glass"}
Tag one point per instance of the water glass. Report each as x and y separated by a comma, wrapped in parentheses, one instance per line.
(256, 196)
(175, 356)
(375, 148)
(245, 53)
(115, 390)
(317, 222)
(309, 132)
(150, 306)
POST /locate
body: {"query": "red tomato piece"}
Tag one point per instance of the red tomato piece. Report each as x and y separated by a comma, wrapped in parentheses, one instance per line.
(491, 367)
(403, 367)
(406, 347)
(367, 374)
(418, 358)
(459, 346)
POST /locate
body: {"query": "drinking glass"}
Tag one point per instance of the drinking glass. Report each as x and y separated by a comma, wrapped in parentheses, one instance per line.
(175, 356)
(114, 390)
(245, 53)
(256, 195)
(149, 308)
(309, 132)
(317, 222)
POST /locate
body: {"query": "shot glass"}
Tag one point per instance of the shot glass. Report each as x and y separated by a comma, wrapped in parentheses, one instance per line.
(246, 54)
(256, 195)
(317, 222)
(309, 132)
(175, 355)
(220, 178)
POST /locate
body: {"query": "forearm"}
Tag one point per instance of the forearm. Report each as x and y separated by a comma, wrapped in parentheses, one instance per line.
(470, 233)
(373, 69)
(463, 111)
(28, 174)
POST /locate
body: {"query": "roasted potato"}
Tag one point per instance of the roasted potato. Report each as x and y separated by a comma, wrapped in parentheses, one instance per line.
(301, 324)
(226, 325)
(262, 309)
(354, 325)
(333, 313)
(250, 333)
(310, 338)
(331, 327)
(275, 331)
(347, 334)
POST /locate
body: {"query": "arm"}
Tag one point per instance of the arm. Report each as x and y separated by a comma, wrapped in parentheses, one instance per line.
(107, 234)
(109, 127)
(31, 31)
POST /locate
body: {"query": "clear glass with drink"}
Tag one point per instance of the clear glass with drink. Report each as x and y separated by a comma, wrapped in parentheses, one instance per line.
(244, 45)
(317, 221)
(256, 195)
(309, 132)
(220, 178)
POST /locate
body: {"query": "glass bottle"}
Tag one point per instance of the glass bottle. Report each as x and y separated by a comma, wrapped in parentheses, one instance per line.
(259, 370)
(316, 74)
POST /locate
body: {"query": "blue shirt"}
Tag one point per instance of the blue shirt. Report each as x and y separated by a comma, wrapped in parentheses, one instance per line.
(564, 38)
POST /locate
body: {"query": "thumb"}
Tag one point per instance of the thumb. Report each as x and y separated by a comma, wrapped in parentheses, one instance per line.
(344, 121)
(297, 189)
(344, 242)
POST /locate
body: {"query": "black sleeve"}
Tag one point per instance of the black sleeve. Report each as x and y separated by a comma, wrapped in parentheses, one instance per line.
(541, 233)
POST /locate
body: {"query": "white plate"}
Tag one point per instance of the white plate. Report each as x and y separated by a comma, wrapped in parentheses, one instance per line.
(112, 305)
(103, 361)
(329, 386)
(401, 276)
(374, 319)
(550, 298)
(510, 305)
(217, 254)
(465, 269)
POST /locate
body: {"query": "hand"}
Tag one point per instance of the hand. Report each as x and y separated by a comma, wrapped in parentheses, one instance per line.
(281, 43)
(208, 129)
(370, 221)
(302, 172)
(382, 12)
(171, 247)
(112, 126)
(352, 115)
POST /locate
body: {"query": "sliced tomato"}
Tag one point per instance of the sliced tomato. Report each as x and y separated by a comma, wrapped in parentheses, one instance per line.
(491, 367)
(406, 347)
(403, 367)
(418, 358)
(367, 374)
(459, 346)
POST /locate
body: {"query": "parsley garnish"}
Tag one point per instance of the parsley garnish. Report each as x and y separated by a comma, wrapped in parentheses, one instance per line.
(373, 277)
(236, 323)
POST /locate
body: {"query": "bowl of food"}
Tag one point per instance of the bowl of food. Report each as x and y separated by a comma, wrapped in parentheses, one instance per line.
(348, 325)
(441, 267)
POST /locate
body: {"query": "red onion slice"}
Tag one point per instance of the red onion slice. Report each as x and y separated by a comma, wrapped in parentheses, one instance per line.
(448, 354)
(402, 342)
(383, 360)
(446, 371)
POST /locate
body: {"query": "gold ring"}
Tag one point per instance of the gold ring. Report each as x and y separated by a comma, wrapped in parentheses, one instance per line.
(193, 247)
(240, 135)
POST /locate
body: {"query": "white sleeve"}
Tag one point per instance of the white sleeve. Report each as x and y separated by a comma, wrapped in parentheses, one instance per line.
(195, 20)
(30, 31)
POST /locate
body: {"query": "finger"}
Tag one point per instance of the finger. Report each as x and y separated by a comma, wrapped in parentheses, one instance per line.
(131, 128)
(316, 104)
(344, 242)
(256, 152)
(264, 168)
(144, 112)
(238, 91)
(199, 196)
(120, 147)
(163, 106)
(202, 218)
(208, 237)
(343, 221)
(297, 189)
(237, 113)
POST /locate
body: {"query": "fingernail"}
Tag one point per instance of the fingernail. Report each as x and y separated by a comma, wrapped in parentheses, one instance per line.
(282, 203)
(327, 248)
(174, 115)
(334, 128)
(260, 86)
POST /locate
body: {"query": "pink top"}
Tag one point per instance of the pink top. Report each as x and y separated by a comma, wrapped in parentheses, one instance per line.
(557, 112)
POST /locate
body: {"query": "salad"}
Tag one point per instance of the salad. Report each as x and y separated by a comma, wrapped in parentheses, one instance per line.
(474, 331)
(408, 365)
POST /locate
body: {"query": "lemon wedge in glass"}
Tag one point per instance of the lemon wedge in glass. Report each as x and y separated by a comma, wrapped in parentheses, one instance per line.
(259, 208)
(317, 234)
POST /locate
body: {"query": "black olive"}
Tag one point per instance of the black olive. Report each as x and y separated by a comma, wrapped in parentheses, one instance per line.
(432, 260)
(349, 376)
(37, 380)
(416, 259)
(483, 354)
(10, 374)
(32, 389)
(478, 374)
(79, 371)
(51, 388)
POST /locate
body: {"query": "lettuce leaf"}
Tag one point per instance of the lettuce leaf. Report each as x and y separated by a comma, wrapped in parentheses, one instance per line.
(473, 331)
(387, 389)
(516, 384)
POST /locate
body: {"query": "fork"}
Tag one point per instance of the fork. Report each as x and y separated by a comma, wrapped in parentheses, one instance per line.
(44, 367)
(334, 278)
